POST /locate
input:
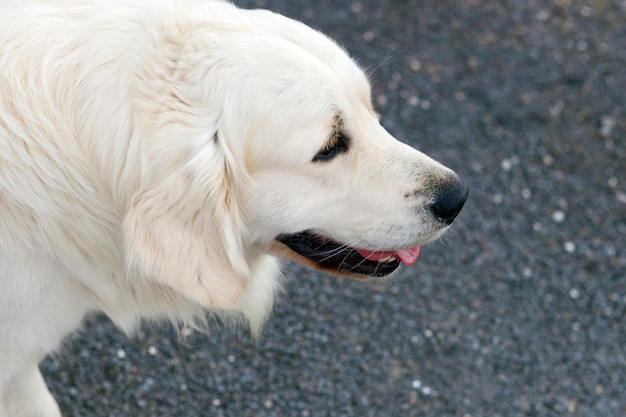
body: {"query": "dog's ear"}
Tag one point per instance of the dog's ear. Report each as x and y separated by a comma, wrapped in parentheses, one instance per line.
(183, 228)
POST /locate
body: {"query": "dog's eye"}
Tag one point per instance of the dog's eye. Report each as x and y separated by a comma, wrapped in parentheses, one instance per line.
(336, 145)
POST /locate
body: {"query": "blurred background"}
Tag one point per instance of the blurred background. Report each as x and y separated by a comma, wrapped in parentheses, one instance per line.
(519, 311)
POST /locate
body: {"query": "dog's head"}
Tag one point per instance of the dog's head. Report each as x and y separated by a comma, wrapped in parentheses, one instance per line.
(260, 138)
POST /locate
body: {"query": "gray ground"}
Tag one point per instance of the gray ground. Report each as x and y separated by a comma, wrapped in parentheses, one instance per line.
(520, 311)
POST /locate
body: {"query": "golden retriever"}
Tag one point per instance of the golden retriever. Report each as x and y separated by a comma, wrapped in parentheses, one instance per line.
(156, 157)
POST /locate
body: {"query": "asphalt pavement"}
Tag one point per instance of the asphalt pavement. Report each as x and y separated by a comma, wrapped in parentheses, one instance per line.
(519, 311)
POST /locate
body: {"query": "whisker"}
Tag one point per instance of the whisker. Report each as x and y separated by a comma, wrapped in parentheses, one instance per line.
(384, 245)
(333, 252)
(346, 246)
(380, 64)
(378, 262)
(349, 248)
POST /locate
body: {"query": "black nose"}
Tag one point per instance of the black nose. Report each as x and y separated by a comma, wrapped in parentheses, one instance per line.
(450, 201)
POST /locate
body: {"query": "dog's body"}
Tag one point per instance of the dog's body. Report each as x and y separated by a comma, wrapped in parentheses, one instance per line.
(155, 156)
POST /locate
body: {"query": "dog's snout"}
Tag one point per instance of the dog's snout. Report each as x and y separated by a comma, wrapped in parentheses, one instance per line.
(450, 201)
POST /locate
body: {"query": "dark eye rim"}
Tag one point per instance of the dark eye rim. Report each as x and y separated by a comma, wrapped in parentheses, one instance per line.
(338, 144)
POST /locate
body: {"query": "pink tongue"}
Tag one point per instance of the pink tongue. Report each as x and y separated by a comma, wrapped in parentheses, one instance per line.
(406, 256)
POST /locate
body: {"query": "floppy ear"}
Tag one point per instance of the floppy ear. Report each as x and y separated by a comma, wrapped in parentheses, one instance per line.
(184, 228)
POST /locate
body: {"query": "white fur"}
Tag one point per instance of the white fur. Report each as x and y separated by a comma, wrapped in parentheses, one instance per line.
(151, 151)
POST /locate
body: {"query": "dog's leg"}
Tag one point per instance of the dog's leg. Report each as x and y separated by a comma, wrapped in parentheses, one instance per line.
(25, 395)
(38, 307)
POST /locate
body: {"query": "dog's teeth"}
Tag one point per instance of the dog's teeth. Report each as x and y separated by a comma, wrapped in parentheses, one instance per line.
(388, 259)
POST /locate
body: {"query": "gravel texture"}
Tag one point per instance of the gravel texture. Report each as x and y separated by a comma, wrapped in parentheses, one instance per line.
(519, 311)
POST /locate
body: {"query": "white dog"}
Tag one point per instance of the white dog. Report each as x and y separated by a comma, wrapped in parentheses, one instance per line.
(155, 157)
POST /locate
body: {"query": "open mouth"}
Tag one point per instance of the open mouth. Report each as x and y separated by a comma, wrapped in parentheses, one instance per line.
(334, 257)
